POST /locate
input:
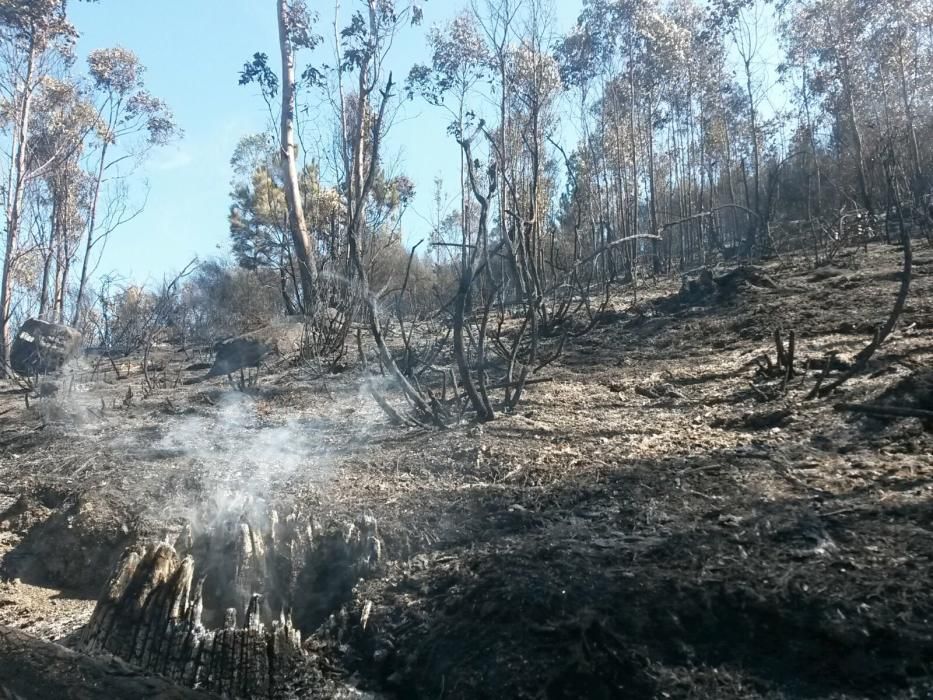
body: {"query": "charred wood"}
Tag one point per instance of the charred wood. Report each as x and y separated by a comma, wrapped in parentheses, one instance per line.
(230, 625)
(32, 669)
(149, 615)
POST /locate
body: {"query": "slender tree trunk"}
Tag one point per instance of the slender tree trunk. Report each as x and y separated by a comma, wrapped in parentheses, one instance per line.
(813, 150)
(14, 209)
(730, 183)
(62, 267)
(856, 137)
(47, 262)
(919, 185)
(286, 297)
(756, 155)
(299, 229)
(91, 225)
(652, 194)
(634, 146)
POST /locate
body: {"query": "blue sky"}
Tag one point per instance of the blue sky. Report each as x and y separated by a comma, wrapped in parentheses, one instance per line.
(193, 51)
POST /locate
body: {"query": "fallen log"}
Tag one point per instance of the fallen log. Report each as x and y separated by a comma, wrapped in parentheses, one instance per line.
(32, 669)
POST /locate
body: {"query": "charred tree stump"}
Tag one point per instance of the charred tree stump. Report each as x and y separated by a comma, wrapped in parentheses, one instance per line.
(153, 610)
(32, 669)
(785, 357)
(150, 616)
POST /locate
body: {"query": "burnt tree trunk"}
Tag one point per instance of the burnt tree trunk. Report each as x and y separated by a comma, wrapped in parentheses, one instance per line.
(32, 669)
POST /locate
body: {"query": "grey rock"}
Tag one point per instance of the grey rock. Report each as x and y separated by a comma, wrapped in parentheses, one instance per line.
(41, 347)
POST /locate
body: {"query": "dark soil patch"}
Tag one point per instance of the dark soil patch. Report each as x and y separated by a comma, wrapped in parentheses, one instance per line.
(915, 391)
(69, 542)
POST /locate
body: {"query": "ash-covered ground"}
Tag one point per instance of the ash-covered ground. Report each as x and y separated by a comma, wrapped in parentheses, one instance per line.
(658, 520)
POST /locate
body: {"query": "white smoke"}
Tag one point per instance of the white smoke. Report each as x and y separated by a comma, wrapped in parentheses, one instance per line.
(247, 450)
(237, 445)
(226, 451)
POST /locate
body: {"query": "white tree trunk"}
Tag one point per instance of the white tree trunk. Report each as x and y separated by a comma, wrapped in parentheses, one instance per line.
(304, 249)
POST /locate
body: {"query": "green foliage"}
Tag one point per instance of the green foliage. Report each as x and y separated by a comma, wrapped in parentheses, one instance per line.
(300, 23)
(117, 77)
(259, 231)
(459, 60)
(258, 71)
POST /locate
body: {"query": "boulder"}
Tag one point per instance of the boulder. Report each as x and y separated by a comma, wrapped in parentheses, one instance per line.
(249, 349)
(41, 347)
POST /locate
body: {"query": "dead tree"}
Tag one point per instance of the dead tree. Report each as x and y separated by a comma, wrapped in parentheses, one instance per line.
(471, 266)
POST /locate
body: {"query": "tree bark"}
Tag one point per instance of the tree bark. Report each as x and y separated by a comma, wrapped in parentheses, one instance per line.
(634, 146)
(150, 616)
(301, 238)
(753, 121)
(919, 184)
(652, 194)
(47, 262)
(856, 137)
(62, 268)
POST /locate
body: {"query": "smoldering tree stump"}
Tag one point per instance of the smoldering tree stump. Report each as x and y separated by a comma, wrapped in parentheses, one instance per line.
(296, 562)
(150, 616)
(32, 669)
(152, 611)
